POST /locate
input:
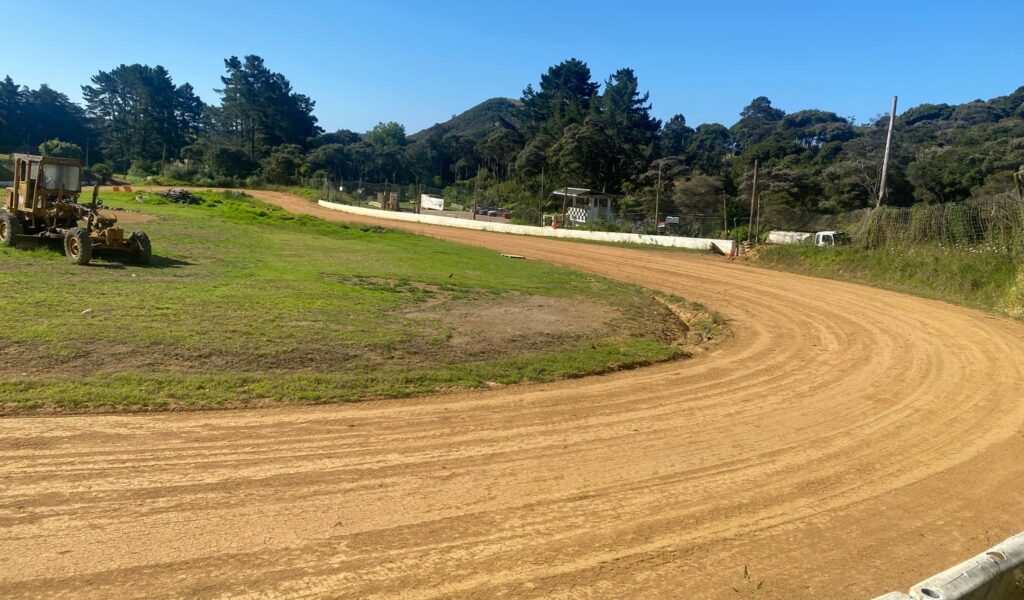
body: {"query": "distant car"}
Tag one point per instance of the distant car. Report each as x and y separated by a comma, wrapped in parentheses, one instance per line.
(831, 238)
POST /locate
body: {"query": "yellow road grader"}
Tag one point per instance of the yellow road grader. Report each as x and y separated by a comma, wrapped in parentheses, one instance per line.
(43, 204)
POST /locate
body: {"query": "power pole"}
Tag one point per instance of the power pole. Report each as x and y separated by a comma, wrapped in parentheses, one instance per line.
(540, 205)
(657, 200)
(753, 197)
(885, 161)
(725, 216)
(757, 222)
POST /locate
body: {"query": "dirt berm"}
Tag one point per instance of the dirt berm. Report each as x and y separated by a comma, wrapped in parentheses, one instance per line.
(847, 442)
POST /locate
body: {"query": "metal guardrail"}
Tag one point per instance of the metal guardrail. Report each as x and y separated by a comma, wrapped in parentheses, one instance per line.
(995, 574)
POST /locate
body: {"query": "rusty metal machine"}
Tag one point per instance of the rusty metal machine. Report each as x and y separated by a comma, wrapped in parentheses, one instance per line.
(43, 204)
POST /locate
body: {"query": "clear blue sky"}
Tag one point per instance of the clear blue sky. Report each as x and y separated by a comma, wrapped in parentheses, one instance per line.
(421, 62)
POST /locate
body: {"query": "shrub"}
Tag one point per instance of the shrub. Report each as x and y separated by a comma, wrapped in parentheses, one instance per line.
(283, 164)
(178, 171)
(231, 162)
(60, 149)
(143, 168)
(101, 172)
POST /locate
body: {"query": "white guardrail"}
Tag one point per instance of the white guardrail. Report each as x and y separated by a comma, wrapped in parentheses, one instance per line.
(995, 574)
(726, 247)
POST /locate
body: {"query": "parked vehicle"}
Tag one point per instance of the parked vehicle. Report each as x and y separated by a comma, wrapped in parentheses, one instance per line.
(831, 238)
(43, 203)
(821, 238)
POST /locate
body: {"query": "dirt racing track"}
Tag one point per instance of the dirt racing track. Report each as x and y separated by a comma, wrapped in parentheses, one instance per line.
(846, 442)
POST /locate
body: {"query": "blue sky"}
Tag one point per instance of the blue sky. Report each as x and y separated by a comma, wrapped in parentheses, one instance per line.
(421, 62)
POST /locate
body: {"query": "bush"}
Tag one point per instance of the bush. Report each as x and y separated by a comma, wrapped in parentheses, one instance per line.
(60, 149)
(179, 172)
(218, 182)
(283, 164)
(143, 168)
(231, 162)
(101, 172)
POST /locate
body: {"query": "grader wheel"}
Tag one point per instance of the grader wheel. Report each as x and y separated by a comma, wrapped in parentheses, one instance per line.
(142, 251)
(78, 246)
(10, 228)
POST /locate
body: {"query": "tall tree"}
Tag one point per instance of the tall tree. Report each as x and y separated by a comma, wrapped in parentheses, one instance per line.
(757, 120)
(626, 114)
(33, 116)
(675, 136)
(259, 110)
(563, 98)
(141, 113)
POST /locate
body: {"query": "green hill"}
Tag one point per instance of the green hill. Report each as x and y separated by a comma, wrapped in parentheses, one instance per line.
(478, 121)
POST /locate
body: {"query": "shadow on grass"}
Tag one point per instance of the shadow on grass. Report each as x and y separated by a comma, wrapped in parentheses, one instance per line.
(116, 260)
(111, 259)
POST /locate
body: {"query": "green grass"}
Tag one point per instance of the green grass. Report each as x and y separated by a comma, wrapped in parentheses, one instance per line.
(6, 174)
(247, 304)
(970, 276)
(124, 179)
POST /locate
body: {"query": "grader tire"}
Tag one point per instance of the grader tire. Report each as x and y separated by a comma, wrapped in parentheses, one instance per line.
(10, 229)
(142, 251)
(78, 246)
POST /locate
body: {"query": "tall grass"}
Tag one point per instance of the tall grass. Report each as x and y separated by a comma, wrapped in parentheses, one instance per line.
(976, 275)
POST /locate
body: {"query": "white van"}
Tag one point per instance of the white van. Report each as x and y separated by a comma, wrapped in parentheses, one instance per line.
(831, 238)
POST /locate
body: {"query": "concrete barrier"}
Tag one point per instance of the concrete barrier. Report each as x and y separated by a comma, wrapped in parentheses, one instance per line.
(996, 574)
(726, 247)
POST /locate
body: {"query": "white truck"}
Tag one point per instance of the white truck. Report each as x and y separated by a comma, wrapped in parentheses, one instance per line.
(831, 238)
(821, 238)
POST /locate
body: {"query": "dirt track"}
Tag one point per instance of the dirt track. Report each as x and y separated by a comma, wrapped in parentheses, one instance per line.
(847, 442)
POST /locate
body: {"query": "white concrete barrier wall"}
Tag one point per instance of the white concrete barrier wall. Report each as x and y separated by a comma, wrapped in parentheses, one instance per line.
(789, 237)
(996, 574)
(723, 246)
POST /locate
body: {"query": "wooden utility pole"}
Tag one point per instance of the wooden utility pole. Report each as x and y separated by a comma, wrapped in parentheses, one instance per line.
(885, 161)
(757, 221)
(657, 200)
(725, 216)
(540, 204)
(753, 197)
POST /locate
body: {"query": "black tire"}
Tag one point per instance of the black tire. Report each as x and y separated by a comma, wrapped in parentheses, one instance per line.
(142, 251)
(78, 246)
(10, 229)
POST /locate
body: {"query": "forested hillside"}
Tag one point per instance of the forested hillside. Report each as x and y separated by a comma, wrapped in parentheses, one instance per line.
(568, 128)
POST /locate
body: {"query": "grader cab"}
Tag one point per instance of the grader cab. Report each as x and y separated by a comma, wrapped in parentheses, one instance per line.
(43, 204)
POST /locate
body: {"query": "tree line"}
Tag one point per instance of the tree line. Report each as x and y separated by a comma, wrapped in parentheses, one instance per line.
(567, 129)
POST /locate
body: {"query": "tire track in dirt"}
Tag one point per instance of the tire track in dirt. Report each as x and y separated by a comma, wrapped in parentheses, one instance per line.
(846, 442)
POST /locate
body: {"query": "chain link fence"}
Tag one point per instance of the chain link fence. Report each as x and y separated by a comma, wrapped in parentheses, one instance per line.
(994, 222)
(632, 214)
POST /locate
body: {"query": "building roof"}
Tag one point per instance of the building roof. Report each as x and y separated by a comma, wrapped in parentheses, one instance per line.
(577, 192)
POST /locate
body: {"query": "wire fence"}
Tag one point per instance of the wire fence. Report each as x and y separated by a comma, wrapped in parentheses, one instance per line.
(632, 214)
(995, 222)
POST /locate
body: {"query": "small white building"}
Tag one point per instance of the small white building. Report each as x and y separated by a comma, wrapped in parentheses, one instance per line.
(585, 206)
